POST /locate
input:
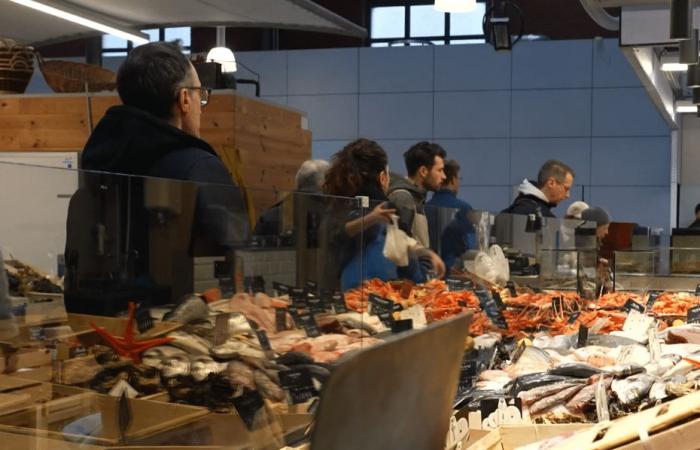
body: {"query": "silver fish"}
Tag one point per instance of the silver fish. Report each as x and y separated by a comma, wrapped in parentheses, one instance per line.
(531, 396)
(191, 309)
(663, 365)
(585, 397)
(155, 356)
(632, 389)
(192, 344)
(659, 390)
(234, 348)
(202, 366)
(176, 366)
(267, 387)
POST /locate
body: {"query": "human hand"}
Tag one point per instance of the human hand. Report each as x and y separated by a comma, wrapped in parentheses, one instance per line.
(438, 264)
(380, 214)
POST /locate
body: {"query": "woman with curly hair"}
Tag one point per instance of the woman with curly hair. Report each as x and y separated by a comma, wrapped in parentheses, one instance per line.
(360, 169)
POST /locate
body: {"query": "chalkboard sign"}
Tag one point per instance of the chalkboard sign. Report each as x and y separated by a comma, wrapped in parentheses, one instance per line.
(263, 339)
(308, 323)
(316, 305)
(582, 336)
(574, 317)
(298, 383)
(499, 301)
(694, 314)
(632, 305)
(280, 319)
(248, 405)
(511, 288)
(299, 298)
(467, 374)
(379, 303)
(653, 296)
(280, 289)
(338, 302)
(398, 326)
(454, 284)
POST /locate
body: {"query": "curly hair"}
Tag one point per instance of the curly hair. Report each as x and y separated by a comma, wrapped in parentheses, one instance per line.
(354, 168)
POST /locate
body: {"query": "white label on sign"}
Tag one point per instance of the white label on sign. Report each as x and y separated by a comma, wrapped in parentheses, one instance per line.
(417, 314)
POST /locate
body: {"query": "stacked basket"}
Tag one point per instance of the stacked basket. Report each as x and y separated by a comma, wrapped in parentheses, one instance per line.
(16, 66)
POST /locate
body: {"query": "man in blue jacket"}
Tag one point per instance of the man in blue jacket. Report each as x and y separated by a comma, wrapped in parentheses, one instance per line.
(449, 218)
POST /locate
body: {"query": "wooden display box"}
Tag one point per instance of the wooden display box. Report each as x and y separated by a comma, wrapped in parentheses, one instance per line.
(83, 331)
(516, 436)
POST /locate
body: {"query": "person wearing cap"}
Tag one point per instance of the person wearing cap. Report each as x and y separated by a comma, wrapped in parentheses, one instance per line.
(602, 220)
(575, 209)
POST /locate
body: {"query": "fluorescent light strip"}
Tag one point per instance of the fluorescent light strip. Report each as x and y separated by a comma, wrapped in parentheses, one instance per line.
(671, 67)
(80, 20)
(686, 106)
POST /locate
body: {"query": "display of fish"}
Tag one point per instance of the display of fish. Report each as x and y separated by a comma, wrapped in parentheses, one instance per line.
(533, 380)
(202, 366)
(191, 308)
(633, 389)
(192, 344)
(533, 395)
(576, 370)
(234, 348)
(585, 398)
(176, 366)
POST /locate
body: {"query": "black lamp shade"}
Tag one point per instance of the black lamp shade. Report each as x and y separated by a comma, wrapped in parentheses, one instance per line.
(688, 50)
(500, 33)
(681, 19)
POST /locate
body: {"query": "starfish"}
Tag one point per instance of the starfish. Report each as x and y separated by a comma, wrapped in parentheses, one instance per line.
(126, 345)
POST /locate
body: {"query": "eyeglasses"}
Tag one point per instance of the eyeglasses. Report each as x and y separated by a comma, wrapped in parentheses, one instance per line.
(204, 93)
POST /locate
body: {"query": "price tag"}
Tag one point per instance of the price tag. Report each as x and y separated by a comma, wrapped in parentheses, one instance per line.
(582, 336)
(280, 289)
(311, 286)
(299, 298)
(316, 305)
(653, 296)
(489, 306)
(78, 351)
(387, 317)
(298, 383)
(632, 305)
(263, 339)
(307, 322)
(378, 302)
(280, 319)
(467, 374)
(694, 314)
(697, 290)
(511, 288)
(339, 303)
(398, 326)
(574, 317)
(637, 324)
(247, 406)
(499, 301)
(417, 315)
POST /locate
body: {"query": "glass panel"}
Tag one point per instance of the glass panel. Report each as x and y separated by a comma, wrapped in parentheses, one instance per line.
(426, 21)
(380, 44)
(182, 33)
(438, 42)
(388, 22)
(109, 41)
(466, 24)
(153, 34)
(467, 41)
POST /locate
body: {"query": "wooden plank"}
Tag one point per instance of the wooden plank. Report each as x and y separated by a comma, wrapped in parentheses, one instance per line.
(9, 106)
(45, 122)
(267, 158)
(53, 105)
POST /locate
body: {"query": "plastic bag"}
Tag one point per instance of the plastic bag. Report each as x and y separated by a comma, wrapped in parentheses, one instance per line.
(398, 244)
(501, 263)
(492, 265)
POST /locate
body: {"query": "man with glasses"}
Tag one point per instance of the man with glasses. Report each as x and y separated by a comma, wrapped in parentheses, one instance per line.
(154, 133)
(554, 183)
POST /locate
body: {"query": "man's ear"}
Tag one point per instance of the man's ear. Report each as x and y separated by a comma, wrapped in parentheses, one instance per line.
(184, 101)
(423, 171)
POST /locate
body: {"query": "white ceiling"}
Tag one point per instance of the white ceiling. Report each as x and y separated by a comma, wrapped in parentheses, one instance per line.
(28, 26)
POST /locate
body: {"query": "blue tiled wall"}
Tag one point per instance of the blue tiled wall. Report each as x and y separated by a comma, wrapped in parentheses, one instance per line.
(500, 115)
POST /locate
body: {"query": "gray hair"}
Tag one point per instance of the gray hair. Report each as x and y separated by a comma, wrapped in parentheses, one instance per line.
(311, 175)
(553, 169)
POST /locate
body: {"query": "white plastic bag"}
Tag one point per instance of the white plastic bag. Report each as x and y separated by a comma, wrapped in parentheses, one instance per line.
(492, 265)
(398, 244)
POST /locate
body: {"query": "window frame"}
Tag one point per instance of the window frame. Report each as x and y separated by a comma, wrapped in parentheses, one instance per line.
(406, 4)
(111, 51)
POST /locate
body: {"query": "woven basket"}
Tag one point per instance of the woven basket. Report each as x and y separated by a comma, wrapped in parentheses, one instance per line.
(16, 67)
(68, 76)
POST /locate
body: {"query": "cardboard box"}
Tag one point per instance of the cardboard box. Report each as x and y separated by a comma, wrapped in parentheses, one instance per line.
(28, 358)
(483, 440)
(514, 436)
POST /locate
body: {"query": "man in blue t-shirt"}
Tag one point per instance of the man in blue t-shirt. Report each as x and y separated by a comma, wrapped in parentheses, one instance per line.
(452, 232)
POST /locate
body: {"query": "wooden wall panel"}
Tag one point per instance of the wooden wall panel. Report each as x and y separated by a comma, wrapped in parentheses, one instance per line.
(267, 140)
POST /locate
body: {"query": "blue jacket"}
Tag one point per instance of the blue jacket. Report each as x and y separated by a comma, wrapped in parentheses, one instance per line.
(458, 235)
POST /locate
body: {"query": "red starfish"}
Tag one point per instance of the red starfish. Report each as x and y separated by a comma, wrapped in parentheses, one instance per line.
(127, 345)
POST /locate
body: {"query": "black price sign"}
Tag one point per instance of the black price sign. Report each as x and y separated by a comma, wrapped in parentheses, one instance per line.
(280, 289)
(653, 296)
(694, 314)
(574, 317)
(489, 306)
(499, 301)
(454, 284)
(697, 290)
(398, 326)
(379, 303)
(280, 319)
(582, 336)
(632, 305)
(263, 339)
(387, 317)
(316, 305)
(338, 301)
(299, 385)
(511, 288)
(311, 286)
(248, 406)
(308, 323)
(299, 298)
(467, 374)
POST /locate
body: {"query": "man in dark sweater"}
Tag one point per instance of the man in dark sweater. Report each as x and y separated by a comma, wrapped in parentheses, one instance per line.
(554, 182)
(155, 133)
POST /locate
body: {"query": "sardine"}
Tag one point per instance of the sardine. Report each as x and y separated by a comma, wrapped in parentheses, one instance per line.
(192, 344)
(533, 395)
(632, 389)
(191, 309)
(623, 370)
(585, 397)
(560, 397)
(575, 370)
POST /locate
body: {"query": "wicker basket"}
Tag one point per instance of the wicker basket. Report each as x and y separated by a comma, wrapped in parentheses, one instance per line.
(68, 76)
(16, 66)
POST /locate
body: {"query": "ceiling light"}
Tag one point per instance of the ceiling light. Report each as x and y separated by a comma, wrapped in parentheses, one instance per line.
(674, 67)
(498, 27)
(688, 50)
(455, 6)
(681, 19)
(81, 17)
(686, 106)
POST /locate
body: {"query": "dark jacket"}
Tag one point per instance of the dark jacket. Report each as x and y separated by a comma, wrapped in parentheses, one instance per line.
(132, 142)
(449, 225)
(695, 224)
(530, 200)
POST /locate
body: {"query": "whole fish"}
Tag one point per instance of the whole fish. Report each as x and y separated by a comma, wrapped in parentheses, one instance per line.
(192, 344)
(191, 308)
(663, 365)
(576, 370)
(623, 370)
(176, 366)
(533, 395)
(267, 387)
(240, 374)
(202, 366)
(532, 360)
(533, 380)
(560, 397)
(586, 396)
(233, 348)
(155, 356)
(632, 389)
(659, 392)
